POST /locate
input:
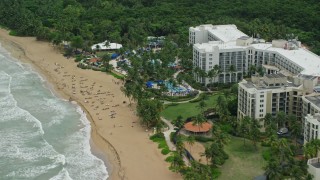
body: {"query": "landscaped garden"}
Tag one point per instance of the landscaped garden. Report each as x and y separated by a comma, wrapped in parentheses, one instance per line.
(245, 162)
(172, 111)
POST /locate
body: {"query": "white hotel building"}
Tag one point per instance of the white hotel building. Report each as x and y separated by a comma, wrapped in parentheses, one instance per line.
(225, 45)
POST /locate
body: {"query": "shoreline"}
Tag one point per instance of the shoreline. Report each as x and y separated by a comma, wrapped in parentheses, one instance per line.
(123, 145)
(107, 155)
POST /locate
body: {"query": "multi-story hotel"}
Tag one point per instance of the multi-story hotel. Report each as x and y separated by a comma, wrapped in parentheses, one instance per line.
(270, 94)
(226, 46)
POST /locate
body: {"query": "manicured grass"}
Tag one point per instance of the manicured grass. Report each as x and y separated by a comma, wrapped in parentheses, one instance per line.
(187, 109)
(245, 162)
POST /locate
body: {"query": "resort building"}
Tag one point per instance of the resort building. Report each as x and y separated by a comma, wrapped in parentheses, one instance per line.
(276, 92)
(314, 167)
(311, 127)
(208, 32)
(106, 46)
(236, 54)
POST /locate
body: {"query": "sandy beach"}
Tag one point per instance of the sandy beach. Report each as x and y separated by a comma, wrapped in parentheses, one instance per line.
(116, 136)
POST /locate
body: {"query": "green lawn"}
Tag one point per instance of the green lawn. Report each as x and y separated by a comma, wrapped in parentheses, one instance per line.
(187, 109)
(244, 161)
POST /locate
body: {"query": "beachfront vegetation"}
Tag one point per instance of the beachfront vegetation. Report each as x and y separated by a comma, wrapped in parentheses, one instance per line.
(130, 21)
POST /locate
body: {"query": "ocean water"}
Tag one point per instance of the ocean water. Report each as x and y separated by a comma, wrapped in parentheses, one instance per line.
(41, 136)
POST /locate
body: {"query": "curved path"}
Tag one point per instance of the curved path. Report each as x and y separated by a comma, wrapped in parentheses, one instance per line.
(167, 133)
(171, 146)
(181, 102)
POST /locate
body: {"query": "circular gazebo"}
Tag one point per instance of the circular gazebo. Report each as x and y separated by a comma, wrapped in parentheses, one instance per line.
(197, 128)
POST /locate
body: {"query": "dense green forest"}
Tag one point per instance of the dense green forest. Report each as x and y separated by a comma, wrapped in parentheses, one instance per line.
(130, 21)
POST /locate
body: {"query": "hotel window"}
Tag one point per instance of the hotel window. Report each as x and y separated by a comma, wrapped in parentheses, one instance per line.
(210, 62)
(210, 59)
(261, 100)
(261, 95)
(261, 105)
(210, 54)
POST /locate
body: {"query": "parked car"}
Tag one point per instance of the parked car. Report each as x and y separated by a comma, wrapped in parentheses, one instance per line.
(282, 131)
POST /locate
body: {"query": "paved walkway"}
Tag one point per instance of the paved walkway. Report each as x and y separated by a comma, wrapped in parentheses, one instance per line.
(167, 133)
(170, 144)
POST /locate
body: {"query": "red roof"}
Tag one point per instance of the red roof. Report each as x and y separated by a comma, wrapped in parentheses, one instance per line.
(204, 127)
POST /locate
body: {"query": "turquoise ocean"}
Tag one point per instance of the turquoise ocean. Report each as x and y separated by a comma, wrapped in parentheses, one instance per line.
(41, 135)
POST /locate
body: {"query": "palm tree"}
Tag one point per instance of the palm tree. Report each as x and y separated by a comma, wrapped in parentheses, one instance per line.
(190, 140)
(202, 74)
(232, 69)
(295, 127)
(252, 69)
(217, 70)
(244, 128)
(105, 59)
(176, 163)
(199, 120)
(273, 171)
(202, 105)
(219, 136)
(315, 143)
(126, 92)
(211, 74)
(281, 118)
(255, 131)
(179, 144)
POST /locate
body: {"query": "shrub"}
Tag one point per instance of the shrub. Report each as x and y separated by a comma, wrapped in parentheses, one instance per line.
(203, 139)
(78, 58)
(265, 143)
(171, 104)
(227, 128)
(266, 155)
(169, 159)
(13, 33)
(158, 135)
(165, 151)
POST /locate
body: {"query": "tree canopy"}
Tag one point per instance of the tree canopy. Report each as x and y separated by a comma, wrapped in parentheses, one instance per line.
(130, 21)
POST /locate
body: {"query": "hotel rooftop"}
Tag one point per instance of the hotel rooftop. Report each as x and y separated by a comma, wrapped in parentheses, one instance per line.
(225, 33)
(300, 56)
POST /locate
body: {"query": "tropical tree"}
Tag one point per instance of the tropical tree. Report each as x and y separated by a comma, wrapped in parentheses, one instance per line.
(281, 118)
(220, 137)
(245, 128)
(270, 125)
(190, 140)
(202, 105)
(77, 42)
(222, 108)
(254, 132)
(215, 153)
(295, 127)
(232, 70)
(252, 70)
(149, 112)
(176, 163)
(273, 171)
(179, 142)
(178, 122)
(106, 59)
(199, 120)
(211, 75)
(217, 70)
(312, 148)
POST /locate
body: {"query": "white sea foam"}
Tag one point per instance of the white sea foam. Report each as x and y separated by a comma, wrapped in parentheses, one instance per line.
(40, 134)
(63, 175)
